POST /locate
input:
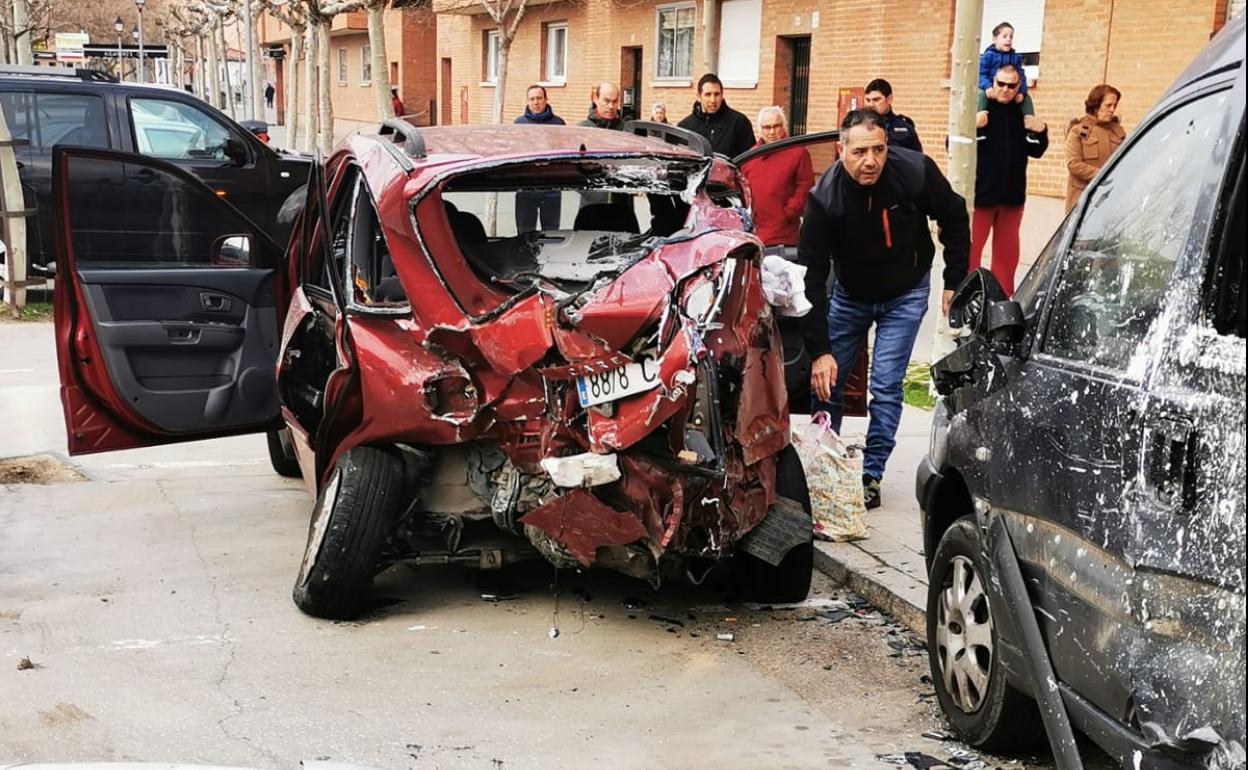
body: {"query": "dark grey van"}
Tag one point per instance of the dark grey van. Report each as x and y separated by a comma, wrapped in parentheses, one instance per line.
(1084, 494)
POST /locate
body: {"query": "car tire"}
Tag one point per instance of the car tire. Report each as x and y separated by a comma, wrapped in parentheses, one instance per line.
(974, 692)
(346, 533)
(790, 580)
(281, 454)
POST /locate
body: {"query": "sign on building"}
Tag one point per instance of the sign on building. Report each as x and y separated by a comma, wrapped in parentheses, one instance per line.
(70, 47)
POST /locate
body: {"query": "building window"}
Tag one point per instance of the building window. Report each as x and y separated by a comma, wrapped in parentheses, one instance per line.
(366, 64)
(674, 25)
(740, 33)
(491, 56)
(342, 66)
(555, 64)
(1027, 19)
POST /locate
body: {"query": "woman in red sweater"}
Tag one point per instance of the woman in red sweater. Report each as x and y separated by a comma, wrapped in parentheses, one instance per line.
(779, 182)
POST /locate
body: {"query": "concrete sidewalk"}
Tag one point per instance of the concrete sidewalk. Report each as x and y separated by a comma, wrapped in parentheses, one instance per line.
(888, 568)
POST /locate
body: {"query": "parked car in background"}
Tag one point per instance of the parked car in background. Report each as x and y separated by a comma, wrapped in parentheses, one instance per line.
(46, 106)
(1092, 431)
(609, 391)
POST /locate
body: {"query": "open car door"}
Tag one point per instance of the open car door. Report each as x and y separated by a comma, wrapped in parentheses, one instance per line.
(166, 334)
(823, 151)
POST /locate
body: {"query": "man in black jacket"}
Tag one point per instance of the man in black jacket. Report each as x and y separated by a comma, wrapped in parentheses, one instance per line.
(1007, 139)
(866, 220)
(878, 95)
(728, 131)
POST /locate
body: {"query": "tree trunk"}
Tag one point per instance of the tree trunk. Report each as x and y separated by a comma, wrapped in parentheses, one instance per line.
(291, 97)
(963, 88)
(255, 72)
(381, 63)
(213, 68)
(325, 91)
(21, 32)
(310, 84)
(13, 200)
(229, 85)
(500, 87)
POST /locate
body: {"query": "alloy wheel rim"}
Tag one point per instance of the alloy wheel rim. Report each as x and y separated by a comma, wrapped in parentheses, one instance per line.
(964, 636)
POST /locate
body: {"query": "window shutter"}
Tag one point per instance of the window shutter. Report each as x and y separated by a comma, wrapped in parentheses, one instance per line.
(739, 35)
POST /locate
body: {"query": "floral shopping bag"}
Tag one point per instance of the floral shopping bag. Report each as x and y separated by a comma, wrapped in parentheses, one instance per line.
(834, 477)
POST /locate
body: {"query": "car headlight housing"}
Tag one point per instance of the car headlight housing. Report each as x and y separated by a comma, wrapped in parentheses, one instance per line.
(704, 293)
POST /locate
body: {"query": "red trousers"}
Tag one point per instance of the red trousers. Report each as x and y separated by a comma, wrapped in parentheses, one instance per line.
(1004, 222)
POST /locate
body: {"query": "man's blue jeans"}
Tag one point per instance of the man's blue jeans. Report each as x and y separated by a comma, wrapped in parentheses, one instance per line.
(896, 327)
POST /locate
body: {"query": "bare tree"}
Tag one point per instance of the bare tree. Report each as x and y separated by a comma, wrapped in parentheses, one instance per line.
(380, 60)
(294, 16)
(507, 15)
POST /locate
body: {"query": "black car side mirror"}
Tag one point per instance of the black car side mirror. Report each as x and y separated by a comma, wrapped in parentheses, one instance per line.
(235, 150)
(980, 304)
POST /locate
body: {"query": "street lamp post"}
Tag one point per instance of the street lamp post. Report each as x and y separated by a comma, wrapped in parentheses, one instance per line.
(140, 4)
(120, 27)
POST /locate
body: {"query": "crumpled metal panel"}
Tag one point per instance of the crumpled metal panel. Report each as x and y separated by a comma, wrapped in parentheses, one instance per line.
(581, 524)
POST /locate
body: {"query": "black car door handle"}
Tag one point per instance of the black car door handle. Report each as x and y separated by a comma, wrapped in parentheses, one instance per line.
(145, 176)
(214, 303)
(1171, 462)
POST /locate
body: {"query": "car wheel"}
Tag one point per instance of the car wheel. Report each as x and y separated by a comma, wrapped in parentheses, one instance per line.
(346, 533)
(282, 454)
(788, 581)
(970, 682)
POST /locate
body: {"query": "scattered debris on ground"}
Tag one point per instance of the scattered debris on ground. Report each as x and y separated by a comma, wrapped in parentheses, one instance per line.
(36, 469)
(25, 664)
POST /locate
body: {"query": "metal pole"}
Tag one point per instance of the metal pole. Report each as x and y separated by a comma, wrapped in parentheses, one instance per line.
(962, 87)
(140, 75)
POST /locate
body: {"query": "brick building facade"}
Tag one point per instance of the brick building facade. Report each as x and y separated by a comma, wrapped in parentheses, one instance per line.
(657, 49)
(411, 34)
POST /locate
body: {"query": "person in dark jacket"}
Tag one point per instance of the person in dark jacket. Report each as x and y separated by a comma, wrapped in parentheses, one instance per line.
(728, 131)
(1005, 146)
(604, 110)
(866, 221)
(537, 112)
(878, 96)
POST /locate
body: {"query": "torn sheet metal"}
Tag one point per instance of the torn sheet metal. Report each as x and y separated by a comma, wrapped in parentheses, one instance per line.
(581, 524)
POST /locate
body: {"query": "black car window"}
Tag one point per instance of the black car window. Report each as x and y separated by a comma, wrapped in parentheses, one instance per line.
(168, 129)
(183, 224)
(373, 279)
(1137, 223)
(16, 106)
(73, 119)
(1224, 288)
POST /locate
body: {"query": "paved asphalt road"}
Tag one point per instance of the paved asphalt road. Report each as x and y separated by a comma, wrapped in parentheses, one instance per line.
(153, 599)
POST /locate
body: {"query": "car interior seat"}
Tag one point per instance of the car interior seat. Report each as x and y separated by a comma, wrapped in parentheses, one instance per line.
(608, 217)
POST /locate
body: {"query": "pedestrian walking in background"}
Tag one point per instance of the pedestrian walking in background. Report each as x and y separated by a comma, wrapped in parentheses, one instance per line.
(658, 112)
(269, 92)
(604, 109)
(1004, 148)
(547, 204)
(1092, 139)
(998, 54)
(728, 131)
(878, 96)
(866, 221)
(396, 104)
(779, 182)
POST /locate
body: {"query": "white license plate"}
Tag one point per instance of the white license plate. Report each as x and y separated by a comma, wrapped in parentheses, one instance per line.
(610, 384)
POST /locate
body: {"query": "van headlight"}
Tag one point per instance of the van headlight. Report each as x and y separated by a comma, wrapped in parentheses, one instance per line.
(938, 443)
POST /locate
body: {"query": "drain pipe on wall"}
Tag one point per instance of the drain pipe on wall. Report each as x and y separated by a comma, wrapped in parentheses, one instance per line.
(710, 35)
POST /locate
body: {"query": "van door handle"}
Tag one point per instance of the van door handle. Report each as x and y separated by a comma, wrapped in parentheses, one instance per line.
(1171, 462)
(144, 176)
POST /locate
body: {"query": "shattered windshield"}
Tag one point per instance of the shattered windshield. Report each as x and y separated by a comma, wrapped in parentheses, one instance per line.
(566, 224)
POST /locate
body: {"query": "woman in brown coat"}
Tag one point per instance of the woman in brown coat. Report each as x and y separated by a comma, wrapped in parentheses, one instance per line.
(1090, 140)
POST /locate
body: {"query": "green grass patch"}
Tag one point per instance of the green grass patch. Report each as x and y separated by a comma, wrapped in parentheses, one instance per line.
(916, 387)
(34, 312)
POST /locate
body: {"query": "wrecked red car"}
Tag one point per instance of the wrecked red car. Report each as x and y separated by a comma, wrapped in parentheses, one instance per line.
(608, 387)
